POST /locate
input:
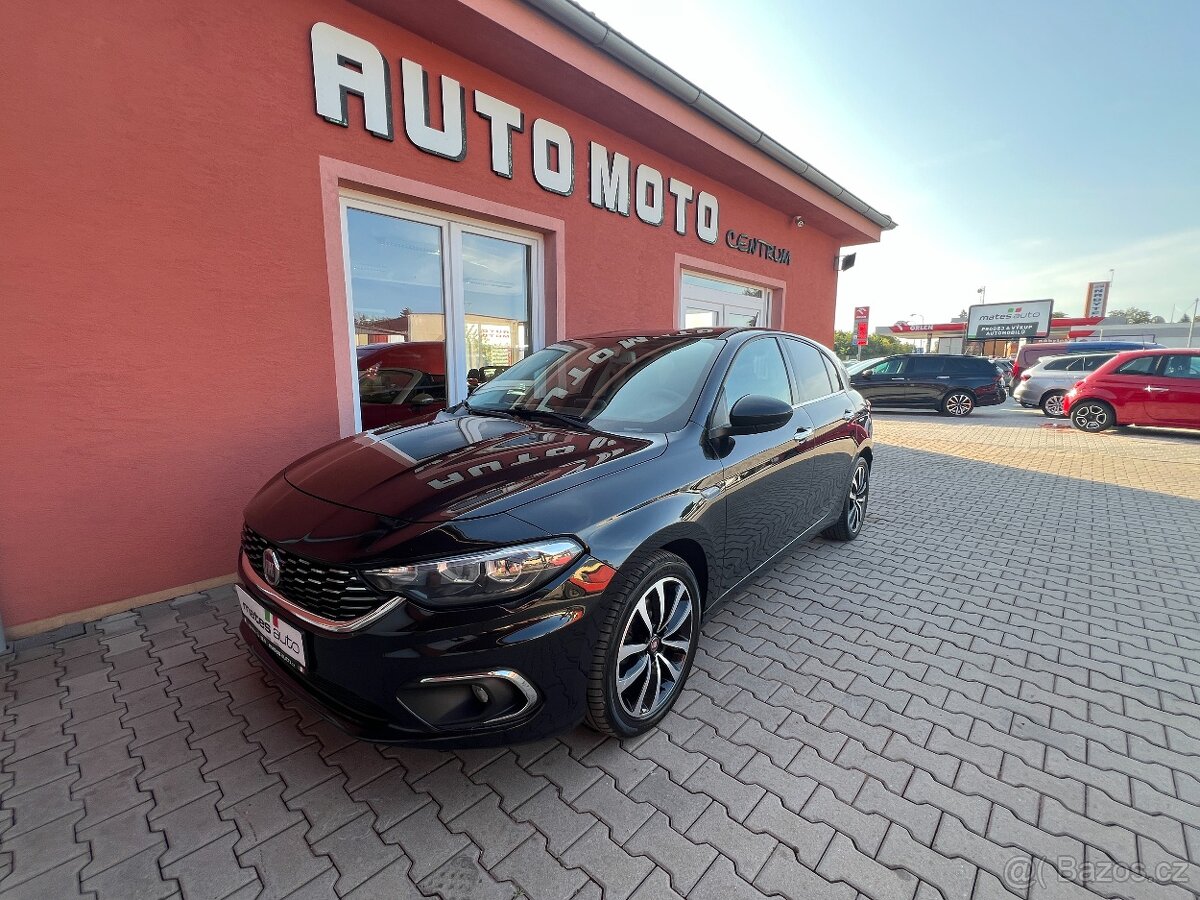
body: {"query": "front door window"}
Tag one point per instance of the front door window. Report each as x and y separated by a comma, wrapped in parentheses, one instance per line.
(438, 306)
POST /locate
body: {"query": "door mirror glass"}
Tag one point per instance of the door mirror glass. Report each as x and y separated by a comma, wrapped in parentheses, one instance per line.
(756, 413)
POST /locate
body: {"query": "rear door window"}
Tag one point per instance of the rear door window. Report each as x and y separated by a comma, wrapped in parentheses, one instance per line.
(923, 366)
(1092, 363)
(1182, 367)
(1142, 365)
(808, 365)
(836, 374)
(1059, 365)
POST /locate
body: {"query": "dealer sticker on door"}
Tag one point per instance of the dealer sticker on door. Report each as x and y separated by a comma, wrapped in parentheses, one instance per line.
(278, 634)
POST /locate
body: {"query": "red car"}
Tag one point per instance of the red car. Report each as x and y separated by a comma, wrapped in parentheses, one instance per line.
(401, 384)
(1140, 387)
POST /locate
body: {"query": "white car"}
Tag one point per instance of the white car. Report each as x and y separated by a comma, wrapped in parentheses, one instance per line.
(1044, 384)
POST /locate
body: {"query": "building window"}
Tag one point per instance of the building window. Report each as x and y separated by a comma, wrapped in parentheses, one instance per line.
(707, 302)
(438, 305)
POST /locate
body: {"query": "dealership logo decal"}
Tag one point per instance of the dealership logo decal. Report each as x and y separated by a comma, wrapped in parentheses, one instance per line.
(344, 64)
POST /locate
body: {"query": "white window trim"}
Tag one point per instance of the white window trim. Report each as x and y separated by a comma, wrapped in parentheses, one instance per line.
(452, 226)
(717, 300)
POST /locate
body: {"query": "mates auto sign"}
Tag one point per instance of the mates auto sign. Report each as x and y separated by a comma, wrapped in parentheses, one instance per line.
(1009, 320)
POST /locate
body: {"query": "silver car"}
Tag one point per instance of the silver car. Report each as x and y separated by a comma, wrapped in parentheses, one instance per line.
(1045, 383)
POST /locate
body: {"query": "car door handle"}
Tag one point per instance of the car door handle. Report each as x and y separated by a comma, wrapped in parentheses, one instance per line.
(1155, 389)
(712, 490)
(945, 377)
(899, 378)
(847, 415)
(801, 434)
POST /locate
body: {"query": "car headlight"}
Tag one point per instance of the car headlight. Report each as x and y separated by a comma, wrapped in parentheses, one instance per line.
(478, 577)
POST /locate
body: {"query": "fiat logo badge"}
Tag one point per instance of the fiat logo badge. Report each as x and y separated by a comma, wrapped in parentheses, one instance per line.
(271, 569)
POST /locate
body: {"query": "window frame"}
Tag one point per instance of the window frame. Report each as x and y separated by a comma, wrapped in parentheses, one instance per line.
(720, 300)
(452, 227)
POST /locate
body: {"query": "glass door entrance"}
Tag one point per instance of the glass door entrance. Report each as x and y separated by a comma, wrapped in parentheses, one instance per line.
(710, 303)
(438, 306)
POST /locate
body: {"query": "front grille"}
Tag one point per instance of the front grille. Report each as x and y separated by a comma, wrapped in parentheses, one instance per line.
(326, 591)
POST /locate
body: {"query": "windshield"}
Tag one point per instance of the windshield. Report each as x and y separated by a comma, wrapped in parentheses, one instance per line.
(614, 384)
(853, 368)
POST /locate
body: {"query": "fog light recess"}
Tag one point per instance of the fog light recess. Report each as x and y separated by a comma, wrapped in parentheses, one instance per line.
(450, 702)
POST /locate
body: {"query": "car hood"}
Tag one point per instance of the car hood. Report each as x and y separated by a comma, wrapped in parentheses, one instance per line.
(463, 466)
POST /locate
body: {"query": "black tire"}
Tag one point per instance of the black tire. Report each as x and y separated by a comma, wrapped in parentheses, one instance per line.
(609, 709)
(958, 404)
(1092, 416)
(854, 508)
(1052, 402)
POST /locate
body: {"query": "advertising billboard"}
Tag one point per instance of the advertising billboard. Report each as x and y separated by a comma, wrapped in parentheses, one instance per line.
(1097, 298)
(992, 321)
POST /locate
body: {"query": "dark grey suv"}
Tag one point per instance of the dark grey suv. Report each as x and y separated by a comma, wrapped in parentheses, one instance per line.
(953, 385)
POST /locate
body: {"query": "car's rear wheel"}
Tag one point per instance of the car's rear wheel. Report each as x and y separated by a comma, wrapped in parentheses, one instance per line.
(958, 404)
(1093, 415)
(854, 510)
(647, 642)
(1052, 404)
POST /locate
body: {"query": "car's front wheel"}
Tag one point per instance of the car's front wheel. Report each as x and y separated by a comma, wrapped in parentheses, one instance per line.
(647, 642)
(1052, 404)
(1093, 415)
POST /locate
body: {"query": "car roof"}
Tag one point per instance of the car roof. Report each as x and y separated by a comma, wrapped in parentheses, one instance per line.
(1160, 351)
(699, 334)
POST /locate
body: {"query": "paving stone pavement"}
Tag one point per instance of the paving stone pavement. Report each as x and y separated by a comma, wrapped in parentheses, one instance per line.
(992, 694)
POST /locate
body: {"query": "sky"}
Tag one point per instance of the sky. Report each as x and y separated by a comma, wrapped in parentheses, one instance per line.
(1025, 147)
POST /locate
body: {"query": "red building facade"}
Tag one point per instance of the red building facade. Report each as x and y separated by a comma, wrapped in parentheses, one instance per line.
(212, 206)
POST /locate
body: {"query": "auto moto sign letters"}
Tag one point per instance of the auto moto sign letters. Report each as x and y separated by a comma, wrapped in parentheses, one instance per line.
(1009, 320)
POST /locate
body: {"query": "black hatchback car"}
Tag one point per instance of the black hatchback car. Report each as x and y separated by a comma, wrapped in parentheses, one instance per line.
(546, 551)
(953, 385)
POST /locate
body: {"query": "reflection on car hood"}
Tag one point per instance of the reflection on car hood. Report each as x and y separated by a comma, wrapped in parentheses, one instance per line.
(462, 466)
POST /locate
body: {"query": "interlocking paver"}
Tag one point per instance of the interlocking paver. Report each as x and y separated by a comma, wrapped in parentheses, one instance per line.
(545, 810)
(896, 717)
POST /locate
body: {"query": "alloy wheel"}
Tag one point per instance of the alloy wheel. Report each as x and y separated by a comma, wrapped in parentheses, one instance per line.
(959, 404)
(1053, 406)
(654, 648)
(1091, 417)
(860, 487)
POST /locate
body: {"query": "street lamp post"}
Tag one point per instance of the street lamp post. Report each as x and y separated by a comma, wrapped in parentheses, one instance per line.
(928, 337)
(1192, 321)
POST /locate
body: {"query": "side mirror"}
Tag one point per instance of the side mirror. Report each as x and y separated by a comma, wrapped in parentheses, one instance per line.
(755, 414)
(423, 400)
(865, 376)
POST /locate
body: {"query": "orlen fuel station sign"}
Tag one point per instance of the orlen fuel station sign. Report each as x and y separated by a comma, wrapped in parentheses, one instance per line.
(992, 321)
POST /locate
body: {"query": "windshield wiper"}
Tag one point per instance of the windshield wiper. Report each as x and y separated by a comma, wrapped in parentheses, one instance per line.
(561, 418)
(486, 411)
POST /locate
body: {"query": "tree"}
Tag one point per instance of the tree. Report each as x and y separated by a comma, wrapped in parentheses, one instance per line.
(1184, 319)
(1132, 315)
(877, 345)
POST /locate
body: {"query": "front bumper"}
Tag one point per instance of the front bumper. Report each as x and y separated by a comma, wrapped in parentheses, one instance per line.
(365, 679)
